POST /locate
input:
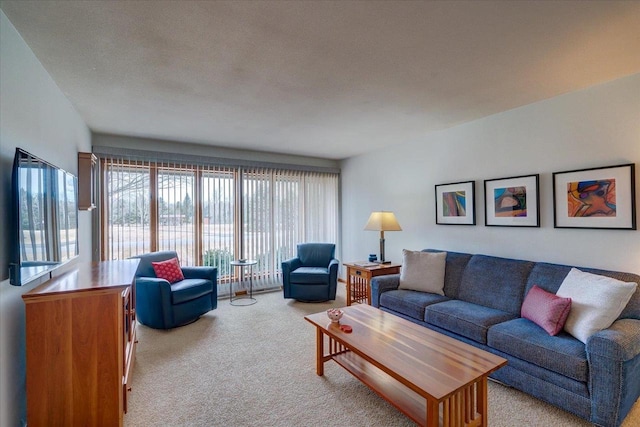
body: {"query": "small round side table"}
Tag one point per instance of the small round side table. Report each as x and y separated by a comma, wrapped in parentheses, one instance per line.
(243, 300)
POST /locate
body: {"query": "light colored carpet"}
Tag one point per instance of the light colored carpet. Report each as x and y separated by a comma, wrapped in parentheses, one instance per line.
(255, 366)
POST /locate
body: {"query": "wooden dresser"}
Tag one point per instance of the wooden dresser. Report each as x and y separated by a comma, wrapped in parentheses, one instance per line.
(81, 339)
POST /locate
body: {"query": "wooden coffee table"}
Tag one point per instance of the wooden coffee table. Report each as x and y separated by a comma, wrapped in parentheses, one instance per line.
(430, 377)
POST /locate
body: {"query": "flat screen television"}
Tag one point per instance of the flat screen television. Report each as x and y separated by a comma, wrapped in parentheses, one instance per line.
(44, 232)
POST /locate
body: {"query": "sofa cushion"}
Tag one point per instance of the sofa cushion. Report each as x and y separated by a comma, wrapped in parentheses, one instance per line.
(410, 303)
(524, 339)
(309, 275)
(190, 289)
(168, 270)
(597, 301)
(546, 310)
(487, 277)
(465, 318)
(423, 271)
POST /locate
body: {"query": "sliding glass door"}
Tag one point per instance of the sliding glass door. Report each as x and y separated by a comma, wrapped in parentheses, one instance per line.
(212, 214)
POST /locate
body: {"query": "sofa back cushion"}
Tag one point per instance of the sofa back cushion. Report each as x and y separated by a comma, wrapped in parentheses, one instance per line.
(550, 276)
(454, 268)
(495, 282)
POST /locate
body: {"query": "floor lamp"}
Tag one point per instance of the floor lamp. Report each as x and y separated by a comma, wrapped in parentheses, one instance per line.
(382, 221)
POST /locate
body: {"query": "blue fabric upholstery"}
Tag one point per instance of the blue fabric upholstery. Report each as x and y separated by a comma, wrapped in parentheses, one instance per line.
(487, 276)
(309, 275)
(599, 381)
(190, 289)
(381, 284)
(614, 352)
(464, 318)
(162, 305)
(411, 303)
(524, 339)
(312, 276)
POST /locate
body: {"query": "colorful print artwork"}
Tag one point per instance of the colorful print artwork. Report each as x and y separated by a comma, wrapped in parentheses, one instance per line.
(510, 201)
(592, 198)
(454, 203)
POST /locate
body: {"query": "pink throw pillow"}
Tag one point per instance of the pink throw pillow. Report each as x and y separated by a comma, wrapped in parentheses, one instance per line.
(168, 270)
(546, 310)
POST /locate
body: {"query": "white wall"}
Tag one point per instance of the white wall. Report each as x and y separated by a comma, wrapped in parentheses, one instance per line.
(35, 116)
(599, 126)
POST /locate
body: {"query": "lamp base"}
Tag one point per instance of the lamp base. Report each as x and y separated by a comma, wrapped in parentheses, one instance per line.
(382, 262)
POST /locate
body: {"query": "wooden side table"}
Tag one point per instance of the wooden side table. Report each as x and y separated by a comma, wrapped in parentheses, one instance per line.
(359, 276)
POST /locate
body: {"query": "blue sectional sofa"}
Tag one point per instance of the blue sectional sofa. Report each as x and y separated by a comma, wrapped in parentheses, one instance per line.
(599, 381)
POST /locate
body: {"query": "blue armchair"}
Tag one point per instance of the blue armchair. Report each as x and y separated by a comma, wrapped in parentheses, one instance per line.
(162, 305)
(313, 275)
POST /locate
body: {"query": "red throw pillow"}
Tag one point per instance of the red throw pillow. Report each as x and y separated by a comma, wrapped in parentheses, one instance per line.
(546, 310)
(168, 270)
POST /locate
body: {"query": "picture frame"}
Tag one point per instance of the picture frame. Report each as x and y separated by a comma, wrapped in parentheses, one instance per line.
(595, 198)
(455, 203)
(512, 202)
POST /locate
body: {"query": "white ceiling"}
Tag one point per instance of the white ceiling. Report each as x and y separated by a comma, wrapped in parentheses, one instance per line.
(325, 79)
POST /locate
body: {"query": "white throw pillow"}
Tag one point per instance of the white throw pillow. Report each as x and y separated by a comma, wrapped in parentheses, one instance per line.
(596, 302)
(423, 271)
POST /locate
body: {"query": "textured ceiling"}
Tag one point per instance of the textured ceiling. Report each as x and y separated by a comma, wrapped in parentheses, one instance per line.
(325, 79)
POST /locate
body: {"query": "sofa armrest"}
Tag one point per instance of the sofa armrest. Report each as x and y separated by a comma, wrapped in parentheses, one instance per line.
(619, 342)
(153, 302)
(614, 367)
(380, 284)
(208, 273)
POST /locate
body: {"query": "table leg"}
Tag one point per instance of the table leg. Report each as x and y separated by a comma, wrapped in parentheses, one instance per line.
(482, 401)
(433, 413)
(348, 286)
(319, 352)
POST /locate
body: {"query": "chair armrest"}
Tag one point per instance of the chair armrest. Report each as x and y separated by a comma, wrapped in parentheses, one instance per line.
(147, 281)
(153, 301)
(620, 342)
(208, 273)
(289, 265)
(380, 284)
(334, 265)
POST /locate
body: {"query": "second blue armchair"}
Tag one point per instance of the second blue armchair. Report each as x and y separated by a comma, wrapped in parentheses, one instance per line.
(312, 276)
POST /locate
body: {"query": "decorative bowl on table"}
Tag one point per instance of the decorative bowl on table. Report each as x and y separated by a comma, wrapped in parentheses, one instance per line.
(335, 314)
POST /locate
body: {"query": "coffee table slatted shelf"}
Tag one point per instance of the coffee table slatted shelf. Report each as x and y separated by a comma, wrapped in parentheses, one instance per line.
(431, 378)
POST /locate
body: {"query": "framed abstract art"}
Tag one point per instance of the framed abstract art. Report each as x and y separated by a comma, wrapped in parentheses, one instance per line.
(603, 197)
(512, 202)
(455, 203)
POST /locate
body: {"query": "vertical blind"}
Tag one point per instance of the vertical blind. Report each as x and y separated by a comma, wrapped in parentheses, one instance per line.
(212, 214)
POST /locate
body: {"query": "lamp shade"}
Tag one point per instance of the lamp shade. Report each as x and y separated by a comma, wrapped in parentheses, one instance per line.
(382, 221)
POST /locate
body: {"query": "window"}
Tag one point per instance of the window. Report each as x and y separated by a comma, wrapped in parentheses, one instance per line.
(127, 212)
(212, 214)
